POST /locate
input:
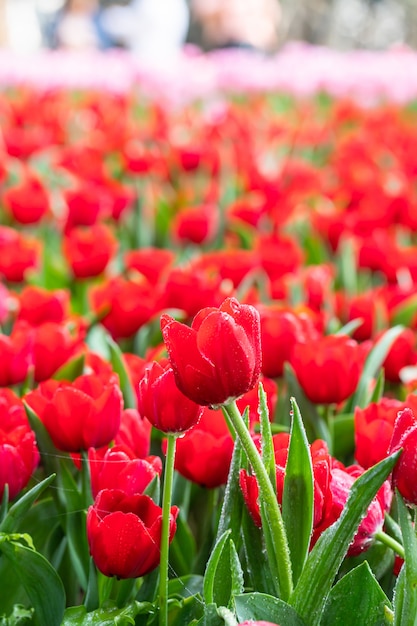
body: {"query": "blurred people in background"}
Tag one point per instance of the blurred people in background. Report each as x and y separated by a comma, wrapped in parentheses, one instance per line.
(238, 23)
(154, 30)
(77, 26)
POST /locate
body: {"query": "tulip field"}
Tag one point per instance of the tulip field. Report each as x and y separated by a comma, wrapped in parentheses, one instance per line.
(208, 349)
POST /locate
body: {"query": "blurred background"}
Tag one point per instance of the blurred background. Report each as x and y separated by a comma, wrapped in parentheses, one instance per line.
(157, 28)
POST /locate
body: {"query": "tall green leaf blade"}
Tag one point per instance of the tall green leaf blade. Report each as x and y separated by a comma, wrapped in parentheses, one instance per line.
(268, 455)
(357, 593)
(298, 497)
(40, 581)
(213, 567)
(324, 560)
(119, 366)
(23, 505)
(405, 612)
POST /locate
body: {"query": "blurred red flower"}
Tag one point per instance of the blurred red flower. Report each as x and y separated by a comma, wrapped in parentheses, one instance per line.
(328, 368)
(88, 250)
(16, 352)
(38, 305)
(19, 454)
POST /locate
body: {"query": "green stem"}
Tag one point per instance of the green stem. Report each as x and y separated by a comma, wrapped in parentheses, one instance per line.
(390, 542)
(328, 418)
(166, 512)
(278, 554)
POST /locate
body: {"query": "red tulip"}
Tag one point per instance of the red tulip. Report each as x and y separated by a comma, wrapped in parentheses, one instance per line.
(27, 202)
(79, 415)
(134, 432)
(197, 225)
(37, 305)
(218, 359)
(16, 353)
(18, 254)
(328, 368)
(124, 533)
(163, 404)
(54, 345)
(404, 475)
(126, 304)
(119, 468)
(204, 454)
(19, 454)
(374, 426)
(88, 250)
(281, 329)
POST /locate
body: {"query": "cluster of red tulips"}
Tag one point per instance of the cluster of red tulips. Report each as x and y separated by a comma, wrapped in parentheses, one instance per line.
(208, 372)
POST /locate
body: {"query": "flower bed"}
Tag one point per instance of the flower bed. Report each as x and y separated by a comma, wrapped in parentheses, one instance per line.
(208, 313)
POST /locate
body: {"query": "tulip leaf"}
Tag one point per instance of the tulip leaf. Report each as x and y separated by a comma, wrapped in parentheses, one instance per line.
(232, 507)
(223, 577)
(405, 606)
(405, 312)
(49, 453)
(378, 391)
(357, 593)
(350, 327)
(315, 582)
(106, 616)
(256, 564)
(71, 369)
(343, 435)
(182, 550)
(268, 455)
(374, 361)
(42, 584)
(298, 499)
(347, 265)
(119, 366)
(260, 606)
(23, 505)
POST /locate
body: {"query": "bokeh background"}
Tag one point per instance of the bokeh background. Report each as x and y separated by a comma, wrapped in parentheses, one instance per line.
(160, 27)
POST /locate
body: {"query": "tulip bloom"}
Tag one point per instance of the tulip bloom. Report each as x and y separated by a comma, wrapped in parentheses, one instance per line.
(118, 468)
(163, 404)
(404, 474)
(88, 250)
(37, 305)
(54, 345)
(16, 356)
(374, 426)
(218, 359)
(28, 201)
(79, 415)
(124, 533)
(204, 454)
(328, 368)
(19, 454)
(332, 484)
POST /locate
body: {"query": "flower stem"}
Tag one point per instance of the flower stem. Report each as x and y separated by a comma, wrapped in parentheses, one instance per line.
(278, 552)
(166, 511)
(390, 542)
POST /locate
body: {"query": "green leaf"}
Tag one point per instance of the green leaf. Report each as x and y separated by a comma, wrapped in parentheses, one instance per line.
(256, 564)
(347, 265)
(375, 359)
(298, 499)
(49, 454)
(19, 617)
(182, 550)
(268, 454)
(212, 567)
(379, 387)
(19, 509)
(227, 577)
(119, 366)
(357, 593)
(350, 327)
(405, 312)
(343, 435)
(71, 369)
(324, 560)
(260, 606)
(106, 616)
(40, 581)
(232, 507)
(223, 576)
(406, 611)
